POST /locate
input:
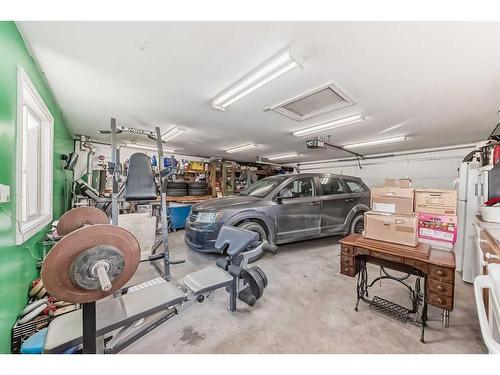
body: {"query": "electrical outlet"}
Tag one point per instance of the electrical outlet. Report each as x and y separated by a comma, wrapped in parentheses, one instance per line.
(4, 193)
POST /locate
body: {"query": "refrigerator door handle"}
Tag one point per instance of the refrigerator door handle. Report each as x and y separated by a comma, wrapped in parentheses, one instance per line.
(475, 189)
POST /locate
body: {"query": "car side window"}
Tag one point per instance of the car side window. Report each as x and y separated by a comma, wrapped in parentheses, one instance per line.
(355, 187)
(302, 187)
(331, 185)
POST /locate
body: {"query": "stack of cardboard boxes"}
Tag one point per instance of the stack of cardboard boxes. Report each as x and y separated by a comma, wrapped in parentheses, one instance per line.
(404, 215)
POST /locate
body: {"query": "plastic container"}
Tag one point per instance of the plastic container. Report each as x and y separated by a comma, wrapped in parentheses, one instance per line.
(490, 214)
(178, 215)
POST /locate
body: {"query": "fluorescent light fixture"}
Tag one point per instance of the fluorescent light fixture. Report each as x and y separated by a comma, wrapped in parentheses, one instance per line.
(145, 147)
(245, 147)
(376, 142)
(272, 69)
(172, 133)
(283, 156)
(329, 125)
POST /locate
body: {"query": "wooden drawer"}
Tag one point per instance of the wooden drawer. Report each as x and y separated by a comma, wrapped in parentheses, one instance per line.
(442, 273)
(348, 271)
(347, 261)
(346, 250)
(361, 251)
(348, 266)
(422, 266)
(441, 301)
(389, 257)
(440, 287)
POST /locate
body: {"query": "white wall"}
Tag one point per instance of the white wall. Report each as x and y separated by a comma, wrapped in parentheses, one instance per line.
(433, 169)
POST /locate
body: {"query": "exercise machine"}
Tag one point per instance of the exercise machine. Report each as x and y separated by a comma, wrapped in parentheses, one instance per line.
(94, 261)
(101, 202)
(141, 186)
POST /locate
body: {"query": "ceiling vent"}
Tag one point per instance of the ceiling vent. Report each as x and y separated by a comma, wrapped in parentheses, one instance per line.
(322, 100)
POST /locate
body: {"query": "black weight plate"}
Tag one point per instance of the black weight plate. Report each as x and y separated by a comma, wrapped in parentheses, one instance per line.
(262, 274)
(255, 281)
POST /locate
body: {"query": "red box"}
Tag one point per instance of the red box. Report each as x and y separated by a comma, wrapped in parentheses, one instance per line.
(434, 227)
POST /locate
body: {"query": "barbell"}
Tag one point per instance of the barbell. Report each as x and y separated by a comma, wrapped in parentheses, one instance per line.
(92, 260)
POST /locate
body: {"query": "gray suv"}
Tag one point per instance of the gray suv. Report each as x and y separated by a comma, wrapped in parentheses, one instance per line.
(283, 208)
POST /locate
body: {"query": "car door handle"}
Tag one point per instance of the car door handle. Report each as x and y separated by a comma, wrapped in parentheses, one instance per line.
(313, 203)
(349, 199)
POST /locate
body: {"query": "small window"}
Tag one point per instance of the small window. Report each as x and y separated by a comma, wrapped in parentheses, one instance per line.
(331, 185)
(34, 160)
(355, 187)
(302, 187)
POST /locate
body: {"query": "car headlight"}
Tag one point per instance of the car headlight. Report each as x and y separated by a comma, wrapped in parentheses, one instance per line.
(208, 217)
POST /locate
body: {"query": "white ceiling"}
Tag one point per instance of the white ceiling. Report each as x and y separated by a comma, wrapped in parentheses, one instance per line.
(437, 83)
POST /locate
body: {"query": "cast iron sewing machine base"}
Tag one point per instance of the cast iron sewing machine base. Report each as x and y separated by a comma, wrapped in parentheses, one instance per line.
(390, 308)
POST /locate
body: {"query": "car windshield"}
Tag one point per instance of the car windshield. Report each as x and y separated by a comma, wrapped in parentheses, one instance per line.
(261, 188)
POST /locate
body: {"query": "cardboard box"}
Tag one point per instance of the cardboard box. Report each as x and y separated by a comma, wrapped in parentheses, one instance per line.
(441, 228)
(392, 200)
(397, 182)
(436, 201)
(400, 229)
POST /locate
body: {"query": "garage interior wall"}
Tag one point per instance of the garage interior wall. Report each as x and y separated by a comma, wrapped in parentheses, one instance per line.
(18, 263)
(125, 153)
(427, 169)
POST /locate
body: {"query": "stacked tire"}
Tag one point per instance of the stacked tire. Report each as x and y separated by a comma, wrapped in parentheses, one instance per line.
(175, 188)
(197, 188)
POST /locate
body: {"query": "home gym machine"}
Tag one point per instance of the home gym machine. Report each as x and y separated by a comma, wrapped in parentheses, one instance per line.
(94, 260)
(141, 185)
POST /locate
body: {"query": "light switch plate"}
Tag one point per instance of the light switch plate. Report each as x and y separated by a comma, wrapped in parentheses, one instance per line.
(4, 193)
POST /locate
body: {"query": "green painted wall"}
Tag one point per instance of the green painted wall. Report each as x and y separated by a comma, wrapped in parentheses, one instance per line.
(18, 263)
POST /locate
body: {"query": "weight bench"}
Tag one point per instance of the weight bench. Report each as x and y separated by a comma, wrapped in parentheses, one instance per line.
(66, 331)
(123, 311)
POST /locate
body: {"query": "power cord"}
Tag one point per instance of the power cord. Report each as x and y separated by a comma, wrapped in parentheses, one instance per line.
(18, 226)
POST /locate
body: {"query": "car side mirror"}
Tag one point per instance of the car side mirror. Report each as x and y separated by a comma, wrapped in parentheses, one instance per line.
(285, 194)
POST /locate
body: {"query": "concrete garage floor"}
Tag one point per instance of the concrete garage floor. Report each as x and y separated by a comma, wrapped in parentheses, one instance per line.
(308, 307)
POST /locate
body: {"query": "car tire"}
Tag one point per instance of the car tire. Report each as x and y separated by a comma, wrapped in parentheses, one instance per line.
(357, 224)
(176, 192)
(197, 185)
(174, 185)
(255, 227)
(197, 192)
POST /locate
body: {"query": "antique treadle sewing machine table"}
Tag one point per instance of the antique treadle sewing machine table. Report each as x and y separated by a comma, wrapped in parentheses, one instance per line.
(436, 267)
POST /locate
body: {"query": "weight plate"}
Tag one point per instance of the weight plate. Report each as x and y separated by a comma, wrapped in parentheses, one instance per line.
(56, 269)
(79, 217)
(261, 273)
(255, 282)
(82, 273)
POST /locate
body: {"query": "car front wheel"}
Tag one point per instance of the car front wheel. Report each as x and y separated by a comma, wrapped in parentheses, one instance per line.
(357, 224)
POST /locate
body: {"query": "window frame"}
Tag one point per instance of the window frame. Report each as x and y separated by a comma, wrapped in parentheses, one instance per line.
(286, 183)
(342, 182)
(360, 183)
(28, 99)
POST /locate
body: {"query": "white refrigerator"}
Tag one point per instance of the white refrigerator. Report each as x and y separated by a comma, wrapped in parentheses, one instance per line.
(467, 209)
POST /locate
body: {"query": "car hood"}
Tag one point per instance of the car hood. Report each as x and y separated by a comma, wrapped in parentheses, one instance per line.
(228, 203)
